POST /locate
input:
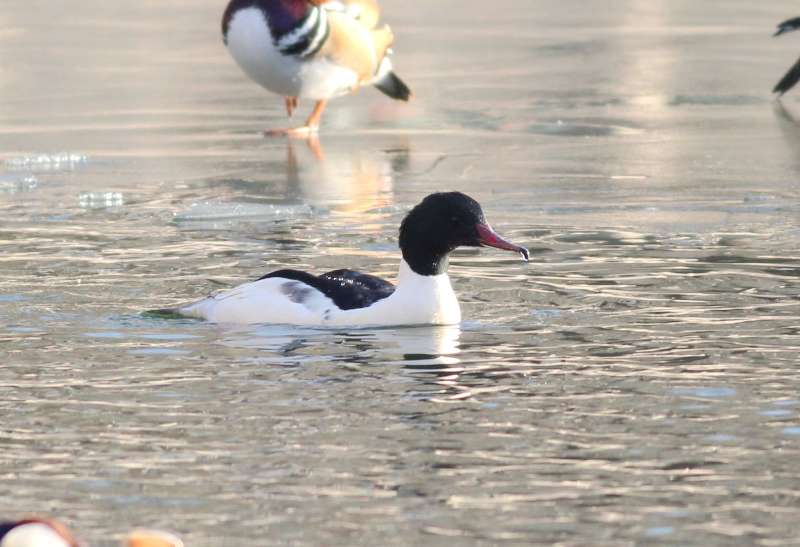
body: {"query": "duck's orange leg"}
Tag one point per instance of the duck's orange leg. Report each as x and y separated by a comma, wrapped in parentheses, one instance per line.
(313, 120)
(291, 105)
(310, 128)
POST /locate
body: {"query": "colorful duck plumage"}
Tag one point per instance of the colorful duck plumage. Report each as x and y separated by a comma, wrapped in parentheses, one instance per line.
(311, 49)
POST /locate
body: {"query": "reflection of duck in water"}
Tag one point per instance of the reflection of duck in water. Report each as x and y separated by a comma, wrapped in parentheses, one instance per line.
(432, 345)
(352, 182)
(431, 355)
(423, 345)
(40, 532)
(789, 125)
(311, 49)
(793, 76)
(423, 295)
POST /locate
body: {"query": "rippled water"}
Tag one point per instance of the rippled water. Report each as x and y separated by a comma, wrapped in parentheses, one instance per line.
(635, 383)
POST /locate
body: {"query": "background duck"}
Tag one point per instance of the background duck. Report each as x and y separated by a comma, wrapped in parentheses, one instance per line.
(423, 295)
(36, 532)
(44, 532)
(793, 75)
(311, 49)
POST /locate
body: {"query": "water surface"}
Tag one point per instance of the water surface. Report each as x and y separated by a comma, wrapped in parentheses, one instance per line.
(635, 383)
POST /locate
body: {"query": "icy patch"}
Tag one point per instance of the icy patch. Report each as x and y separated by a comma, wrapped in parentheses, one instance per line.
(101, 200)
(715, 100)
(10, 184)
(777, 413)
(48, 162)
(215, 212)
(659, 531)
(158, 351)
(705, 392)
(545, 315)
(104, 335)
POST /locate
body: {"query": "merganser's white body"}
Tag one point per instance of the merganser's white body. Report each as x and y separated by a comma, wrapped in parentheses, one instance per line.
(417, 300)
(423, 295)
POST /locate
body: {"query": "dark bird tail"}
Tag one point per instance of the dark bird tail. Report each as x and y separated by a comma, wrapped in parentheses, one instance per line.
(788, 26)
(394, 87)
(788, 80)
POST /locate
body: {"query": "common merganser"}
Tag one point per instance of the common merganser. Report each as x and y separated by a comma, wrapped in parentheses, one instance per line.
(423, 295)
(793, 76)
(311, 49)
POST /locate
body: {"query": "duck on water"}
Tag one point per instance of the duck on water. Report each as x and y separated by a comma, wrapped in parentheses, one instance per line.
(423, 295)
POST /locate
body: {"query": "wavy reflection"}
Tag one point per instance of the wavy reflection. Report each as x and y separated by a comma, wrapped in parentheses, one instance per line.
(348, 179)
(423, 345)
(430, 354)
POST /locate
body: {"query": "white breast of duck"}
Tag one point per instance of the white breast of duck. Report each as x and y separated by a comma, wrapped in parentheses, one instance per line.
(276, 44)
(423, 295)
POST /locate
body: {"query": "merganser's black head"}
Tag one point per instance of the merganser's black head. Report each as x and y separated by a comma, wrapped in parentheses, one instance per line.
(787, 26)
(440, 224)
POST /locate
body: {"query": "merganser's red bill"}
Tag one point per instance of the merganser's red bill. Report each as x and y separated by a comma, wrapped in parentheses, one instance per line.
(489, 238)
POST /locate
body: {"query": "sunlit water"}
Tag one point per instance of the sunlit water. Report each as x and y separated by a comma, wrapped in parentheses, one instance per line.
(636, 382)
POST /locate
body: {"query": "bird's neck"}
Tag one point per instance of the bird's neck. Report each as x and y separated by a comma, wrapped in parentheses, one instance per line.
(424, 299)
(425, 261)
(407, 275)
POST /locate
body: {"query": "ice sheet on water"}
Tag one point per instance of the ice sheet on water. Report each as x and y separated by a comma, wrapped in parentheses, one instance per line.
(706, 392)
(12, 184)
(48, 162)
(582, 128)
(212, 211)
(101, 200)
(715, 100)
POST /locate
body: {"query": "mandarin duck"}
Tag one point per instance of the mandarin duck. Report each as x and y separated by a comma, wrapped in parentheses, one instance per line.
(46, 532)
(311, 49)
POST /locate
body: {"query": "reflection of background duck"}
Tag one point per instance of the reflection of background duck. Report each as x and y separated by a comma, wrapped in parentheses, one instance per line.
(345, 180)
(349, 178)
(789, 125)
